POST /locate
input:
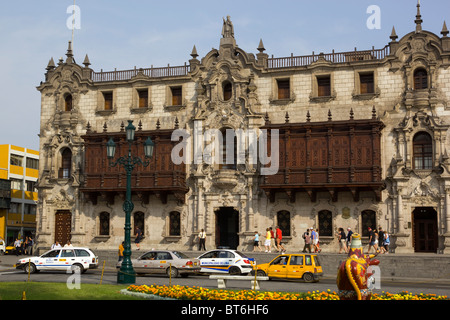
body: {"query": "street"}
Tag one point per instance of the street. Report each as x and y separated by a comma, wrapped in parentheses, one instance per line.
(110, 277)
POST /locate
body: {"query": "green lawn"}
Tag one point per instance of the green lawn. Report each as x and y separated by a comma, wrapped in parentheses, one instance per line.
(60, 291)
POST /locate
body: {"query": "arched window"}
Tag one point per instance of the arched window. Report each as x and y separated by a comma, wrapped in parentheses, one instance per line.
(284, 222)
(420, 79)
(66, 164)
(422, 151)
(174, 224)
(325, 223)
(227, 91)
(68, 101)
(104, 224)
(368, 220)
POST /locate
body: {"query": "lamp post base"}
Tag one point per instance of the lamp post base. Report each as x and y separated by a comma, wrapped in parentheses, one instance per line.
(125, 277)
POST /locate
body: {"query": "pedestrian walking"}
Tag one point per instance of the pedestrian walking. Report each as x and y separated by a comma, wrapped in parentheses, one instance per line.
(387, 242)
(317, 244)
(202, 240)
(279, 236)
(121, 248)
(307, 239)
(56, 245)
(349, 237)
(272, 239)
(267, 242)
(17, 245)
(342, 240)
(381, 240)
(138, 239)
(371, 240)
(256, 242)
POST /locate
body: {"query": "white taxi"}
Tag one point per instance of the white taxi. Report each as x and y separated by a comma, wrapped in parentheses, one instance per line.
(64, 259)
(225, 261)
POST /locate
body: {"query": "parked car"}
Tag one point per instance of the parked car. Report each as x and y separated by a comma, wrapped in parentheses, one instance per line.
(292, 266)
(64, 259)
(226, 261)
(2, 247)
(172, 263)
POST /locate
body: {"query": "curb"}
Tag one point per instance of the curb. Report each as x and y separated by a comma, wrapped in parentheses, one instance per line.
(144, 295)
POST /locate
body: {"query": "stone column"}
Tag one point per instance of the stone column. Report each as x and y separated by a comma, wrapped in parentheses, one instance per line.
(446, 222)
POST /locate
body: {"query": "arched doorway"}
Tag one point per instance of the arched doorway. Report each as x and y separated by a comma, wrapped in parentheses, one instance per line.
(227, 228)
(425, 229)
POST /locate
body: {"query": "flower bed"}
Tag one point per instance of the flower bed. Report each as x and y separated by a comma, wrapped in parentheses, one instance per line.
(199, 293)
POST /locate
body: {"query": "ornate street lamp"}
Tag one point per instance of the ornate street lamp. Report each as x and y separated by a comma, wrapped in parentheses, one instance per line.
(126, 273)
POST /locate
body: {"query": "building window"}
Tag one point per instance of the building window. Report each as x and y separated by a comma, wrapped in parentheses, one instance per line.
(30, 209)
(68, 101)
(31, 186)
(16, 184)
(284, 222)
(227, 91)
(422, 151)
(420, 79)
(139, 219)
(324, 86)
(143, 98)
(177, 97)
(366, 83)
(66, 164)
(15, 207)
(174, 224)
(104, 224)
(228, 157)
(368, 220)
(284, 89)
(16, 160)
(32, 163)
(108, 97)
(326, 223)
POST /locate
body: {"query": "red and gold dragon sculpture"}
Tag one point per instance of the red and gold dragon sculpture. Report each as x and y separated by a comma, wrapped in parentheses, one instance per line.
(353, 273)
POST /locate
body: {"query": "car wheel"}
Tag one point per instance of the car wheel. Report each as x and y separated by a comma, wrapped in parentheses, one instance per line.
(172, 272)
(235, 271)
(77, 268)
(308, 277)
(29, 268)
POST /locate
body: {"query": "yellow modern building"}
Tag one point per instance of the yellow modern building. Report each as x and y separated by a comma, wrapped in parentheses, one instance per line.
(19, 166)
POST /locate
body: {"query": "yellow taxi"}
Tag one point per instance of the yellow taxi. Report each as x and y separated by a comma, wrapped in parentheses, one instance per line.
(292, 266)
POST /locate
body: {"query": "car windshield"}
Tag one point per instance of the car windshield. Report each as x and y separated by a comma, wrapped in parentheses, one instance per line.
(51, 254)
(180, 255)
(316, 261)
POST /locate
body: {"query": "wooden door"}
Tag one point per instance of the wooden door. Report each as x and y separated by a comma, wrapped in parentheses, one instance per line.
(63, 226)
(425, 230)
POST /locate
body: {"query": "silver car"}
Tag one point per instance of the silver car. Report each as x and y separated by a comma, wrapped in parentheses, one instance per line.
(172, 263)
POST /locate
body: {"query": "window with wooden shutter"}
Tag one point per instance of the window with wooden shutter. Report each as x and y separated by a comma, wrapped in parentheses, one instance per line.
(284, 89)
(422, 151)
(324, 86)
(108, 96)
(227, 91)
(68, 101)
(143, 98)
(176, 96)
(366, 81)
(420, 79)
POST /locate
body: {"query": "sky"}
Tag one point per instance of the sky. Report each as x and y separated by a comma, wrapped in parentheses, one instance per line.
(124, 34)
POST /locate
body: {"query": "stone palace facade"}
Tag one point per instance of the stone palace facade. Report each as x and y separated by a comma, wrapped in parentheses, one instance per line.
(360, 139)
